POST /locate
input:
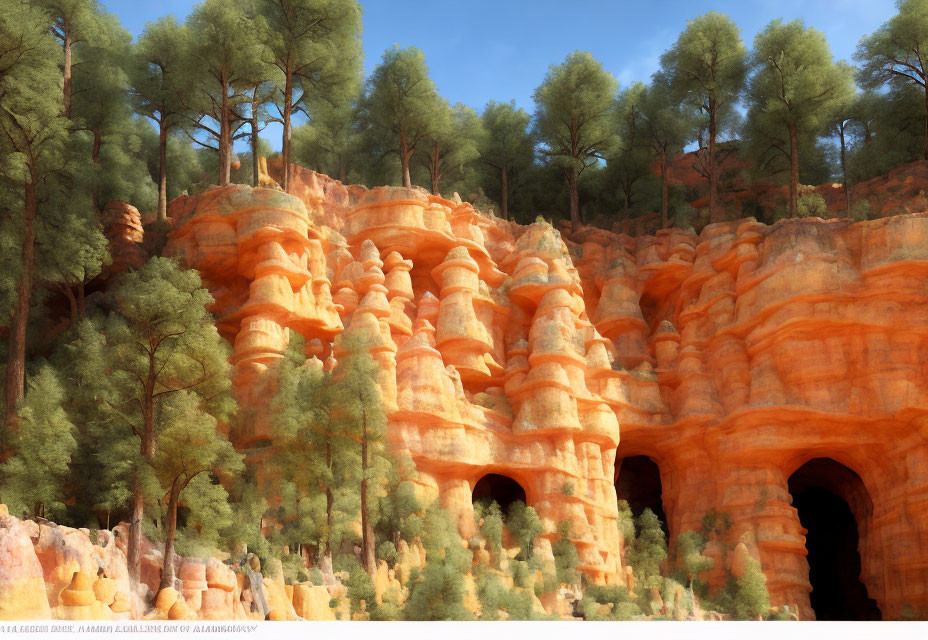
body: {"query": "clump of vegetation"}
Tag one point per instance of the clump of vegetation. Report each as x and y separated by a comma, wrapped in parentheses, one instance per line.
(437, 591)
(566, 558)
(860, 210)
(616, 601)
(812, 205)
(648, 551)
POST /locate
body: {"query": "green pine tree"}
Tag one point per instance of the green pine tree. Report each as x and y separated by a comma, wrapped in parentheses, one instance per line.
(33, 477)
(574, 119)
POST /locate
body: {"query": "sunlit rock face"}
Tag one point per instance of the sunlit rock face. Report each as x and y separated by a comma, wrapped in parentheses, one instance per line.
(730, 359)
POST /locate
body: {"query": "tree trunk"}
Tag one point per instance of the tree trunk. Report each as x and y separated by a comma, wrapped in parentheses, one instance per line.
(847, 188)
(404, 159)
(664, 188)
(162, 171)
(433, 169)
(147, 449)
(714, 215)
(67, 68)
(225, 152)
(575, 221)
(72, 302)
(167, 572)
(285, 143)
(16, 357)
(254, 138)
(368, 558)
(134, 550)
(504, 198)
(329, 508)
(925, 141)
(793, 172)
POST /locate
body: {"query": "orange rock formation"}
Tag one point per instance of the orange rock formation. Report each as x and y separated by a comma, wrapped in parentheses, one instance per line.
(746, 362)
(731, 359)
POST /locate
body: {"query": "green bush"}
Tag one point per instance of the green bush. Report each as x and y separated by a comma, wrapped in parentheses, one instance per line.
(860, 210)
(648, 551)
(492, 527)
(386, 551)
(811, 205)
(523, 522)
(565, 555)
(437, 592)
(751, 599)
(623, 606)
(495, 599)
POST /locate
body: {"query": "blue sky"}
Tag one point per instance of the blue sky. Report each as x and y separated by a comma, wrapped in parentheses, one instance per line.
(479, 50)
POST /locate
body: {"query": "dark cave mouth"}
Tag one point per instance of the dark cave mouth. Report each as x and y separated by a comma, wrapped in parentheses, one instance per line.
(639, 483)
(821, 490)
(500, 489)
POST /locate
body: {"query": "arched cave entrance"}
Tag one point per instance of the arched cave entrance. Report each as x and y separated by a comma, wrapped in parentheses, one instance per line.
(639, 483)
(832, 500)
(502, 489)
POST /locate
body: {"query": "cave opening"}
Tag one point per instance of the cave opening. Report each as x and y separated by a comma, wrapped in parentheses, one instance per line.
(638, 482)
(501, 489)
(832, 500)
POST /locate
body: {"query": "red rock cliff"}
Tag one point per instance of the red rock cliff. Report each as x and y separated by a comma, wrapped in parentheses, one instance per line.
(731, 359)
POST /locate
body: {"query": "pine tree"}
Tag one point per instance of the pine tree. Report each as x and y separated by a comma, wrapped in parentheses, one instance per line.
(158, 89)
(690, 546)
(361, 418)
(574, 119)
(893, 55)
(330, 143)
(401, 105)
(159, 340)
(314, 460)
(706, 67)
(188, 448)
(507, 146)
(795, 90)
(316, 47)
(224, 52)
(649, 550)
(74, 22)
(452, 145)
(667, 126)
(32, 138)
(33, 477)
(629, 163)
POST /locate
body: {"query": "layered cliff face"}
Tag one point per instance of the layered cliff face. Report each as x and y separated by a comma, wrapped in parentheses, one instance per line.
(736, 360)
(777, 346)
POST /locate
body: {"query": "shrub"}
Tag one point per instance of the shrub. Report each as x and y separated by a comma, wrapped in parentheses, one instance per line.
(860, 210)
(626, 523)
(565, 555)
(386, 551)
(523, 522)
(751, 599)
(437, 592)
(811, 205)
(623, 607)
(648, 551)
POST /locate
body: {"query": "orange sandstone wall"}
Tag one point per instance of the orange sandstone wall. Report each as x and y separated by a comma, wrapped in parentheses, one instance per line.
(730, 359)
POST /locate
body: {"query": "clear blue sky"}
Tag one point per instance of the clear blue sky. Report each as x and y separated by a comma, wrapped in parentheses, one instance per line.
(478, 50)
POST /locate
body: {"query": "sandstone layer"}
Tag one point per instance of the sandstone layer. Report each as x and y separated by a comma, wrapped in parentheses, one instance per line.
(730, 358)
